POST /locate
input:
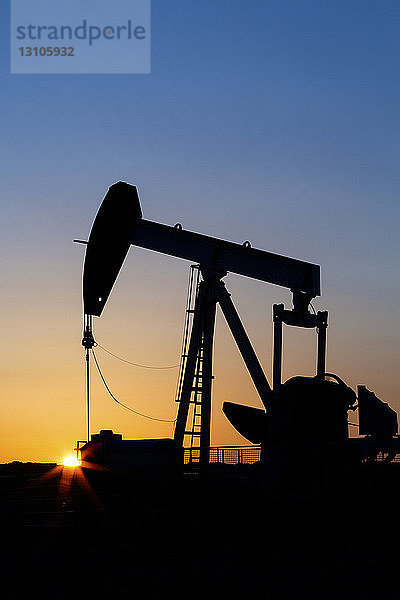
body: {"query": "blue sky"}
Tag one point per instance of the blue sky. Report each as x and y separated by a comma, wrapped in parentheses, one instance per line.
(272, 121)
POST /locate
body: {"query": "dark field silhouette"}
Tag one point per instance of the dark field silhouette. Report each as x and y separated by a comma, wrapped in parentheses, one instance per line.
(215, 536)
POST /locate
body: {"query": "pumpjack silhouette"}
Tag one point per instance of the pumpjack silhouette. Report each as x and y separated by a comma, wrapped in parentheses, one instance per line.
(302, 424)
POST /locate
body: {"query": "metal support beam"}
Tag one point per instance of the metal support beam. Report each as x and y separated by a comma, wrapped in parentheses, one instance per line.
(211, 291)
(244, 344)
(202, 337)
(321, 333)
(298, 319)
(207, 377)
(277, 358)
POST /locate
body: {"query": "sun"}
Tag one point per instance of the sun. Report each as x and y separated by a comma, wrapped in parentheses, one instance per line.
(71, 461)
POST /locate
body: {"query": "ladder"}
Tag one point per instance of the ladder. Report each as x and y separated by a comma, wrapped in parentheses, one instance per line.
(193, 431)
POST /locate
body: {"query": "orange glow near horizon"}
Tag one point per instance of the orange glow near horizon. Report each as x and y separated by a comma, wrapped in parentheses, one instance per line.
(44, 378)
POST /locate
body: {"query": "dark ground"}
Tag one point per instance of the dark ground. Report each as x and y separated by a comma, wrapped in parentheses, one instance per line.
(222, 537)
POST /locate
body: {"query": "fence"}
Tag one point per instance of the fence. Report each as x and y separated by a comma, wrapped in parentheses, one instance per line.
(226, 455)
(248, 455)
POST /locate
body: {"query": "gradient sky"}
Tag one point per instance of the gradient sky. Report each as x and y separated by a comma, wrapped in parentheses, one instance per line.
(270, 121)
